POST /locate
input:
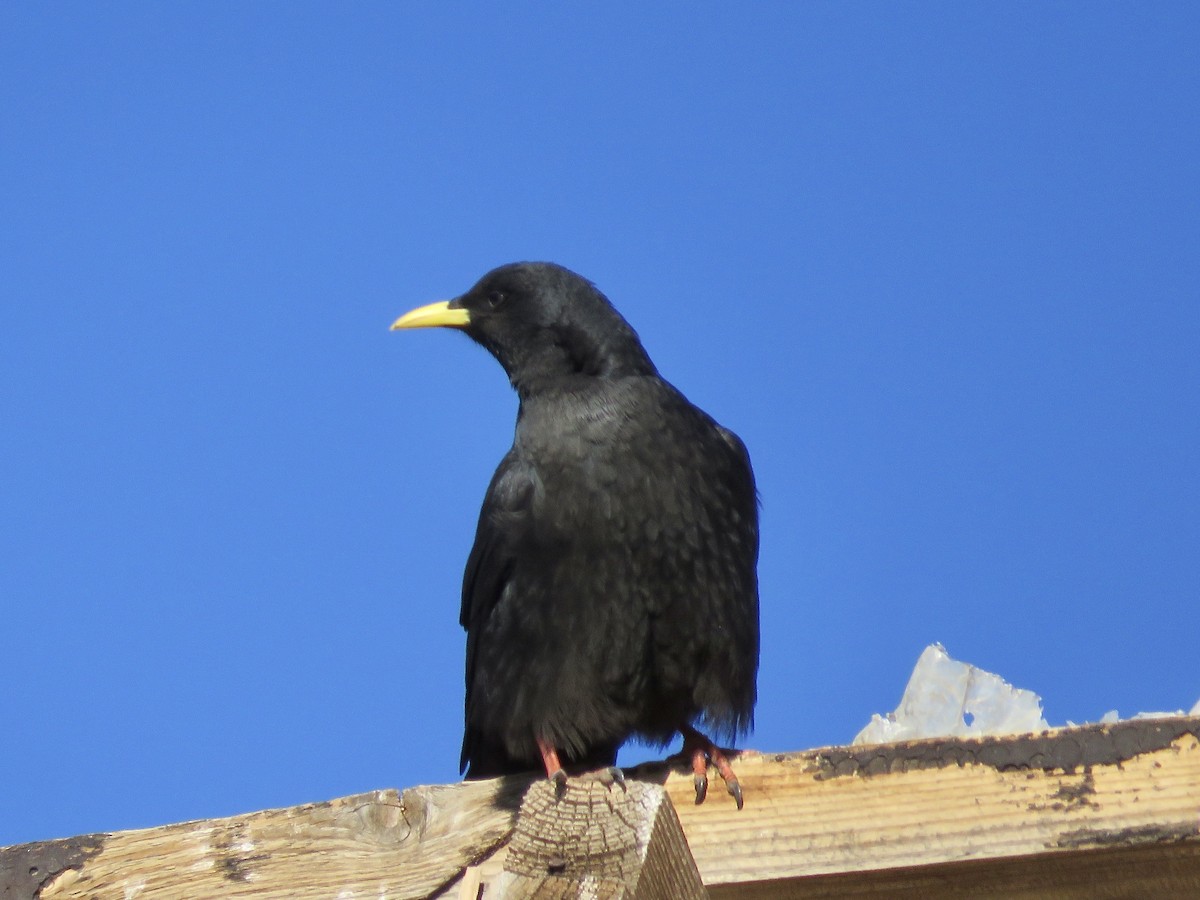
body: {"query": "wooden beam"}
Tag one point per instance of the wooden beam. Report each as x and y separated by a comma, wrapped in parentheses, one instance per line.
(875, 814)
(595, 840)
(380, 844)
(1096, 806)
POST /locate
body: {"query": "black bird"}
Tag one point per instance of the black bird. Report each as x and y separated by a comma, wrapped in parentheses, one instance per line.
(612, 589)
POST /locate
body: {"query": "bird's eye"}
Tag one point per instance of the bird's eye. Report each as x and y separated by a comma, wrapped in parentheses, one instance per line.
(495, 298)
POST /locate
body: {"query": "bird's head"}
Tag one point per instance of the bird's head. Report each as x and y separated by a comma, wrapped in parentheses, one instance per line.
(546, 325)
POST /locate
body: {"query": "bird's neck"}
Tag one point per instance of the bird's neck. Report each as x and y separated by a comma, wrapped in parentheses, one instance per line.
(572, 367)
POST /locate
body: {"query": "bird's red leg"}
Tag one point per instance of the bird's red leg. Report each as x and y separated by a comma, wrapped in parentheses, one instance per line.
(699, 771)
(703, 751)
(554, 769)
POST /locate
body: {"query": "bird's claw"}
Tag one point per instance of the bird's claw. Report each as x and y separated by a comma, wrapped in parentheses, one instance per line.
(735, 790)
(618, 777)
(702, 752)
(559, 779)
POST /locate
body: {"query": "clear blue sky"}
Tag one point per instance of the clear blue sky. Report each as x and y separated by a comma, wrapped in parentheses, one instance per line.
(937, 263)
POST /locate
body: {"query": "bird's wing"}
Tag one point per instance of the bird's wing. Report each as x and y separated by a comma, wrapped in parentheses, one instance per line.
(723, 605)
(746, 491)
(504, 521)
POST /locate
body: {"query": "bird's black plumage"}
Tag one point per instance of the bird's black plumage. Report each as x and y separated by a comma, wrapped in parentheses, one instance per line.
(611, 590)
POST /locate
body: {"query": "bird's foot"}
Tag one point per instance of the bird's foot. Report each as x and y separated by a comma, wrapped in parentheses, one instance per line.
(703, 751)
(556, 773)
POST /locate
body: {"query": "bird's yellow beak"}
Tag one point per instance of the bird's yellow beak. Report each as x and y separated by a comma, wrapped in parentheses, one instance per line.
(433, 316)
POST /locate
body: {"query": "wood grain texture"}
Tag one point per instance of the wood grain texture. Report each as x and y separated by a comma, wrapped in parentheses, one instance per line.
(930, 802)
(1104, 811)
(380, 844)
(599, 841)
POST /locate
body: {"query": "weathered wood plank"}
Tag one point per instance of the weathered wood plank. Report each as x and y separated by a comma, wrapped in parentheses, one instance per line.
(939, 801)
(600, 841)
(1153, 872)
(1123, 798)
(380, 844)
